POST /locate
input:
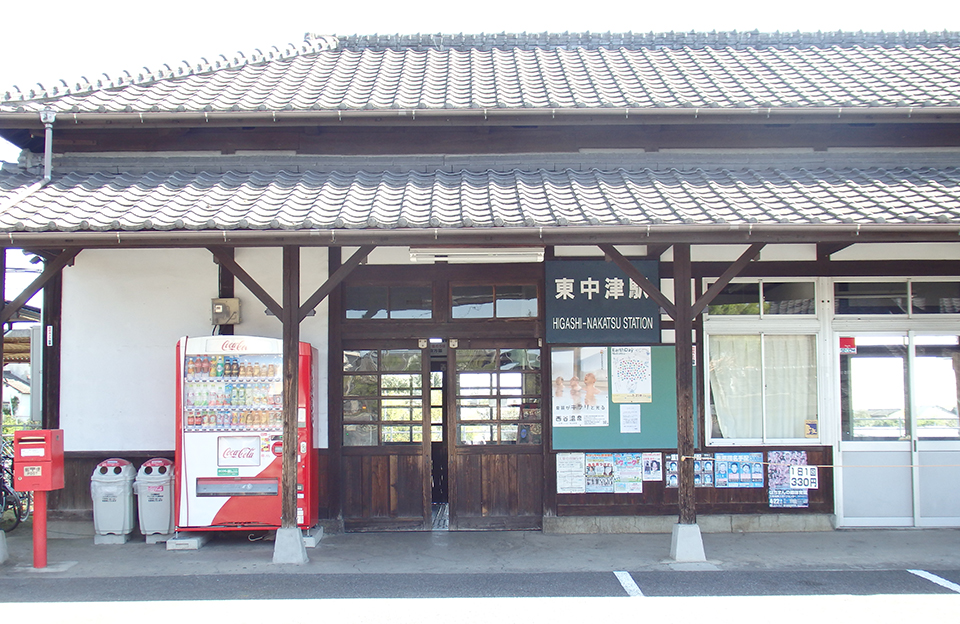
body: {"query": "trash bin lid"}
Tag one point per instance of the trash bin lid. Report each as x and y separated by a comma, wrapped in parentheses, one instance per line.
(159, 467)
(113, 468)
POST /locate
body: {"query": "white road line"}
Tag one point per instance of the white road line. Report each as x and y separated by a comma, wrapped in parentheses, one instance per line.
(629, 585)
(933, 578)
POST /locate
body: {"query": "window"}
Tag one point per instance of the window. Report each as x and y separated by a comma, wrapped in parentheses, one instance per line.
(765, 298)
(763, 387)
(382, 397)
(479, 302)
(881, 396)
(870, 298)
(498, 396)
(912, 298)
(393, 302)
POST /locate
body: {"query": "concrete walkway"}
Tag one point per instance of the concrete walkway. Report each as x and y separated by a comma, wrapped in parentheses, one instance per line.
(72, 553)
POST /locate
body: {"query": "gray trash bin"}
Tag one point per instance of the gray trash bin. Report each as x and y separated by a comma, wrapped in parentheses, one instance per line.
(154, 490)
(111, 487)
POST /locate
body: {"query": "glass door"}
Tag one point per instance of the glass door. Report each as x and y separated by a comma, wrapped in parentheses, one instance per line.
(900, 430)
(385, 459)
(496, 438)
(936, 429)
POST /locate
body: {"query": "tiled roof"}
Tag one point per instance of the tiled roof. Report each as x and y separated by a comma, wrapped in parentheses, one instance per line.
(483, 199)
(497, 72)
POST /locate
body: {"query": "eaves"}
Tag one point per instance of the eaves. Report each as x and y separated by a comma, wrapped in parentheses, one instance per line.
(734, 234)
(493, 117)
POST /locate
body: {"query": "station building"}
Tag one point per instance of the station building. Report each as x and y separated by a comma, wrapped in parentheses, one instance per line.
(569, 282)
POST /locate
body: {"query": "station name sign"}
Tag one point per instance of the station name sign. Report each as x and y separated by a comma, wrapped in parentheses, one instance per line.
(594, 302)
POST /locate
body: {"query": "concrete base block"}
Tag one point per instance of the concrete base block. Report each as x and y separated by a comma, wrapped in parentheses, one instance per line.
(157, 538)
(312, 536)
(288, 546)
(187, 541)
(713, 523)
(111, 538)
(686, 543)
(4, 553)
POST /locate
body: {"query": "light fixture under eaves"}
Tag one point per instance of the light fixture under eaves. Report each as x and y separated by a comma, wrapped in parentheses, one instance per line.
(475, 255)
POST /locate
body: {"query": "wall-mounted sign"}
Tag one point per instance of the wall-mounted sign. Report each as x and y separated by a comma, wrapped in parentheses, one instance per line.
(594, 302)
(848, 345)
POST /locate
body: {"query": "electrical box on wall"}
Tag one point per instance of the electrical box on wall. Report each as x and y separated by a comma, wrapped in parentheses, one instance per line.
(225, 311)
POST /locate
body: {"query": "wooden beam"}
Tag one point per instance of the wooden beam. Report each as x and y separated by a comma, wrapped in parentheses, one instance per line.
(334, 280)
(225, 288)
(732, 271)
(833, 268)
(645, 285)
(50, 270)
(223, 256)
(291, 366)
(684, 352)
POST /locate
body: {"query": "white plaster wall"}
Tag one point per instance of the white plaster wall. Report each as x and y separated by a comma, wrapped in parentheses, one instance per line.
(123, 312)
(900, 251)
(265, 266)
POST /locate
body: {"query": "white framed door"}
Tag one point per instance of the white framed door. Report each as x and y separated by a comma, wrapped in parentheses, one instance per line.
(900, 441)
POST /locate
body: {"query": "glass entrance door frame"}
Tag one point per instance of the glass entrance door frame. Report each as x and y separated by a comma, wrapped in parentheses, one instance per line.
(901, 478)
(387, 488)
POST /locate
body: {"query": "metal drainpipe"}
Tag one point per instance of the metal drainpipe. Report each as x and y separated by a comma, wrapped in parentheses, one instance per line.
(47, 116)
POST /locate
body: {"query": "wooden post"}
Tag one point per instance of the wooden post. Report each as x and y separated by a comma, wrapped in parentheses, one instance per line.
(683, 322)
(50, 378)
(3, 304)
(291, 364)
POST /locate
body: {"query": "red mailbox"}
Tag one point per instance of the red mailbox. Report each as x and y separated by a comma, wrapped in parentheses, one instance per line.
(38, 460)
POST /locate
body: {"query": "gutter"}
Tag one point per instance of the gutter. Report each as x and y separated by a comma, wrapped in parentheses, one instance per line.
(444, 115)
(492, 237)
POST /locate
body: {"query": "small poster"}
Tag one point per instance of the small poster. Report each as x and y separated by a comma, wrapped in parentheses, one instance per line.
(653, 466)
(628, 474)
(630, 418)
(778, 473)
(571, 473)
(738, 470)
(580, 387)
(703, 470)
(632, 379)
(600, 475)
(673, 471)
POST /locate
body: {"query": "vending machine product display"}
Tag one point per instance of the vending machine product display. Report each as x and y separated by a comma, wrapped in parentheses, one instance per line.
(230, 433)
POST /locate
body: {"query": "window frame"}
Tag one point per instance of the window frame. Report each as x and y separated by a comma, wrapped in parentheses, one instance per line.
(908, 282)
(760, 313)
(763, 440)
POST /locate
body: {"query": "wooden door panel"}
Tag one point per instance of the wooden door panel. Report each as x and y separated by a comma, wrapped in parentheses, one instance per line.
(383, 492)
(498, 491)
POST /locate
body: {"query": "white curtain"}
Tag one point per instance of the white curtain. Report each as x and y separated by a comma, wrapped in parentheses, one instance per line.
(735, 385)
(788, 368)
(790, 375)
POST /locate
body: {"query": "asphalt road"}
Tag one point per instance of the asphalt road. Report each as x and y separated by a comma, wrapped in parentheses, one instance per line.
(36, 588)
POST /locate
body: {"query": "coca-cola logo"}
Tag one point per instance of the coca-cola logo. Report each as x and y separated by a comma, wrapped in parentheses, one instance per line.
(240, 453)
(234, 345)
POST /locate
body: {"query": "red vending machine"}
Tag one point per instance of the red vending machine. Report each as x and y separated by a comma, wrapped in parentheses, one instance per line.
(230, 434)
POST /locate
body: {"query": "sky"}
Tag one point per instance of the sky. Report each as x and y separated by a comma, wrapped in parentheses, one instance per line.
(71, 39)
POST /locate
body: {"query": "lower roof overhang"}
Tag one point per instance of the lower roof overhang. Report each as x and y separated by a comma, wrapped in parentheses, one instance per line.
(716, 234)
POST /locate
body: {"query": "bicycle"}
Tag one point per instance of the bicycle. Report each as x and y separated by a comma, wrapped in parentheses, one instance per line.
(16, 506)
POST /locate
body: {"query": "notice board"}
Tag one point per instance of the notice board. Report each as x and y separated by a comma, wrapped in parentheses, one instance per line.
(593, 409)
